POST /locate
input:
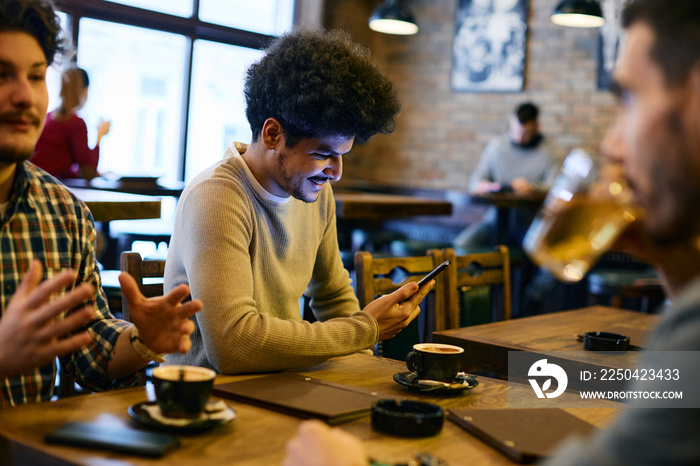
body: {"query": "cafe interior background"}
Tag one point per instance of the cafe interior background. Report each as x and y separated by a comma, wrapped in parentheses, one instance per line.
(171, 84)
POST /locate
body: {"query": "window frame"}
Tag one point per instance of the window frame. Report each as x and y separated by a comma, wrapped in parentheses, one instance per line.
(190, 27)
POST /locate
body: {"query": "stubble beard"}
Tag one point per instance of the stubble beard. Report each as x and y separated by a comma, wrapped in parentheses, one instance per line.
(297, 193)
(289, 180)
(10, 155)
(678, 192)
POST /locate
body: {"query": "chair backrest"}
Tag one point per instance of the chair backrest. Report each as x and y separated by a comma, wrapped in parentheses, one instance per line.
(132, 263)
(471, 270)
(375, 274)
(382, 275)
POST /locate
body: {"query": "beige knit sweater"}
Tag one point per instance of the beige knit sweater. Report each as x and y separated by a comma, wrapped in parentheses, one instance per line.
(249, 256)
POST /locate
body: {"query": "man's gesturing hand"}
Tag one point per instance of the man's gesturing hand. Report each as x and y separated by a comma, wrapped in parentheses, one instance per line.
(163, 322)
(31, 329)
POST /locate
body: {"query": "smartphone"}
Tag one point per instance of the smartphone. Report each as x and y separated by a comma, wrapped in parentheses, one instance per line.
(114, 438)
(433, 273)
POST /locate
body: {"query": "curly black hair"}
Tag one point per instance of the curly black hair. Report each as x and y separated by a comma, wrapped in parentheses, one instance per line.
(317, 84)
(38, 19)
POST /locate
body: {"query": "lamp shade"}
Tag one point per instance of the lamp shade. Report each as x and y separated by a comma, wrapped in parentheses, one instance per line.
(578, 13)
(393, 17)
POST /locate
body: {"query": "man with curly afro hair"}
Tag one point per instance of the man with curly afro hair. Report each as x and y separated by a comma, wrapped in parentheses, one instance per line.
(257, 230)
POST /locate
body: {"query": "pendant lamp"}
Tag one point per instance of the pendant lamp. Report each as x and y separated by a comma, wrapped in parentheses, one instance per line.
(578, 14)
(393, 17)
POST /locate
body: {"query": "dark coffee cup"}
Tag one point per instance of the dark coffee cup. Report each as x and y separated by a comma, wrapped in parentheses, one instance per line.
(182, 391)
(435, 361)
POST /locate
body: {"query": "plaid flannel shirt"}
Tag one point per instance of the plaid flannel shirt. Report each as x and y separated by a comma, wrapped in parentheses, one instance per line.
(45, 221)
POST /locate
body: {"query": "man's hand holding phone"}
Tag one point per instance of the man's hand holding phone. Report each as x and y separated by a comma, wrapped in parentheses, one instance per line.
(393, 312)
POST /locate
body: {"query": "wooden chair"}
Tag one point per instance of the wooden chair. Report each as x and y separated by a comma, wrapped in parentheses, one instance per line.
(471, 270)
(65, 385)
(634, 289)
(374, 278)
(140, 269)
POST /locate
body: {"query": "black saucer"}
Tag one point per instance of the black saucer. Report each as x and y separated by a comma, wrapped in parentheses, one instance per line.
(140, 415)
(461, 383)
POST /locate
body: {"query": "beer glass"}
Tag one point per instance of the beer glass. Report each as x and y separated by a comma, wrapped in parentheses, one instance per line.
(583, 214)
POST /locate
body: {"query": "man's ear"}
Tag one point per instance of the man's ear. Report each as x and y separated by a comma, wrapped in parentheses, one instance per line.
(272, 134)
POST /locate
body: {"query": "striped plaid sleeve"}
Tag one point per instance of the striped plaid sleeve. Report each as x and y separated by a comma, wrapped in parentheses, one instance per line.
(88, 366)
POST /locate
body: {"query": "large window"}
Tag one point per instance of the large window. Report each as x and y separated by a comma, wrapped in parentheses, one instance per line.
(217, 107)
(169, 80)
(263, 16)
(139, 89)
(174, 7)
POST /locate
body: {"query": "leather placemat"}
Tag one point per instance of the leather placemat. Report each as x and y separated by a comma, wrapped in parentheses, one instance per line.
(523, 435)
(303, 396)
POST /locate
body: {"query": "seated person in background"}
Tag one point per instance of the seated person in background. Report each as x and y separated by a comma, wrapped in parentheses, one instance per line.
(63, 149)
(51, 302)
(656, 139)
(256, 231)
(521, 161)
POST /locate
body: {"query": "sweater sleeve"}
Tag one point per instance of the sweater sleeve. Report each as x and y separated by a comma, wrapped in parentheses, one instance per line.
(551, 174)
(82, 154)
(218, 224)
(551, 167)
(483, 170)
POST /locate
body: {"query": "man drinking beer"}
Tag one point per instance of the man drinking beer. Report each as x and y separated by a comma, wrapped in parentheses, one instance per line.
(656, 139)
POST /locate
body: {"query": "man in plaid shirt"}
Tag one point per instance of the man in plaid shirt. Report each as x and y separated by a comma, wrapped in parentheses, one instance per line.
(51, 300)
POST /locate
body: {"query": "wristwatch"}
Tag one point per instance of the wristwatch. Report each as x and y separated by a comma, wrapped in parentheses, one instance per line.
(141, 349)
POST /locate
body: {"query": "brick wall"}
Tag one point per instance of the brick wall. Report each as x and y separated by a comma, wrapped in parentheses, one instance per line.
(441, 133)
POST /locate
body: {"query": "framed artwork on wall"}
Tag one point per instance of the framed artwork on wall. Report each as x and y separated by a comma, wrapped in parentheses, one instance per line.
(488, 49)
(610, 40)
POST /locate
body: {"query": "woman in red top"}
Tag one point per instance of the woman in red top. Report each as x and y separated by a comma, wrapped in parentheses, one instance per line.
(63, 149)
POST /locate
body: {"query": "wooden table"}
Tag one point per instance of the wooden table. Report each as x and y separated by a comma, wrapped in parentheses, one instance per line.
(107, 206)
(487, 345)
(258, 436)
(504, 204)
(145, 187)
(358, 205)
